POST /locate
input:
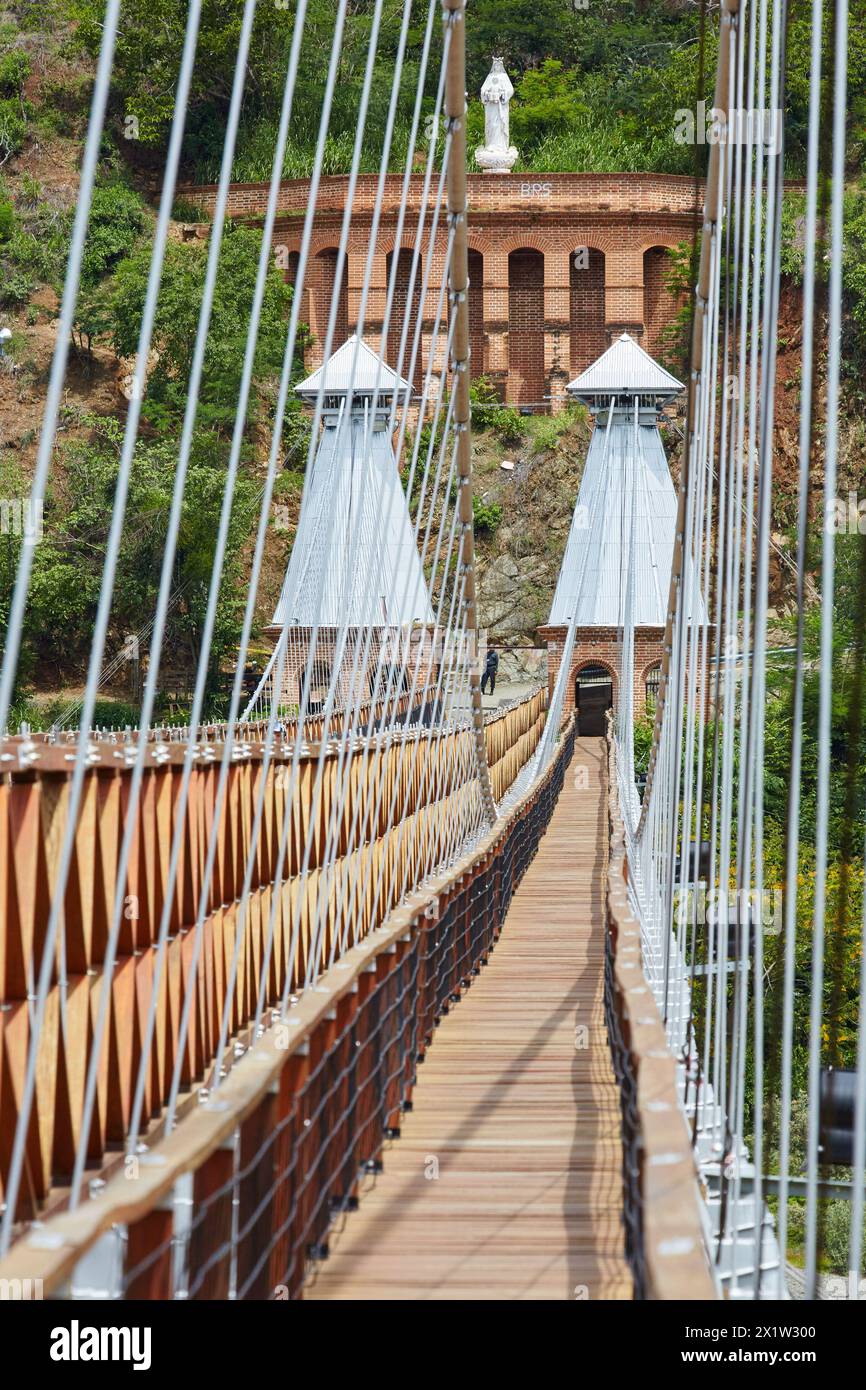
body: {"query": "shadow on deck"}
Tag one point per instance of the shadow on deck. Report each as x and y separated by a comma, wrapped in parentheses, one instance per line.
(506, 1182)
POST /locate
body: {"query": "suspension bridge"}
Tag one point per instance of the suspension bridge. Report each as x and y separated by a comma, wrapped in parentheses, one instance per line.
(368, 990)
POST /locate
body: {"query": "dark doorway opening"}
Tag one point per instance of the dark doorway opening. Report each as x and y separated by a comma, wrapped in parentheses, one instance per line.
(593, 697)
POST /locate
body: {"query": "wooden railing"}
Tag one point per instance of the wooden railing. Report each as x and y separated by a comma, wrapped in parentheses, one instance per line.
(308, 1109)
(248, 731)
(664, 1230)
(33, 795)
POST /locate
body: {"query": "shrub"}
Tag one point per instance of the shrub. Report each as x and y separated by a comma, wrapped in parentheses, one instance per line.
(485, 403)
(115, 714)
(486, 515)
(13, 126)
(184, 211)
(508, 426)
(7, 216)
(14, 72)
(547, 429)
(116, 220)
(16, 288)
(488, 413)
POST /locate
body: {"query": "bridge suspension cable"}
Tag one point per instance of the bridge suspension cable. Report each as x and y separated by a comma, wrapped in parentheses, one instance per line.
(721, 906)
(379, 755)
(180, 916)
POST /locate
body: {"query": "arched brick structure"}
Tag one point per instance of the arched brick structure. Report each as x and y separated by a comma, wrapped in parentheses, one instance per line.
(587, 335)
(600, 646)
(625, 219)
(643, 708)
(660, 306)
(476, 312)
(526, 326)
(584, 662)
(323, 277)
(398, 310)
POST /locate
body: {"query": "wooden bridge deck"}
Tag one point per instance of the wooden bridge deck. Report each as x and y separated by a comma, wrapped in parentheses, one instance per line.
(507, 1181)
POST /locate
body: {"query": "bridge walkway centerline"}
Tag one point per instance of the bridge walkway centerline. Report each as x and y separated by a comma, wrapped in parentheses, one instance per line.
(506, 1181)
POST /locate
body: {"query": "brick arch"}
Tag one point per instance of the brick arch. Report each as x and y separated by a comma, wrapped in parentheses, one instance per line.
(477, 241)
(655, 665)
(586, 310)
(650, 666)
(401, 307)
(582, 662)
(386, 242)
(290, 243)
(667, 241)
(526, 324)
(659, 305)
(321, 279)
(594, 242)
(545, 242)
(476, 312)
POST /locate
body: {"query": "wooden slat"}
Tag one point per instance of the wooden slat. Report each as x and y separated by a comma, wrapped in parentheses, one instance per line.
(520, 1117)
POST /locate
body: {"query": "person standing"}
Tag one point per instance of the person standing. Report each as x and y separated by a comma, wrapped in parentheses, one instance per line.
(490, 669)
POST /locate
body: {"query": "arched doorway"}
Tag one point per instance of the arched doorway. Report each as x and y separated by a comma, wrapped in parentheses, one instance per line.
(323, 280)
(593, 697)
(526, 327)
(588, 338)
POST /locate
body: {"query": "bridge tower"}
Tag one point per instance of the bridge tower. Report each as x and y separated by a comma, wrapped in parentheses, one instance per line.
(354, 555)
(620, 547)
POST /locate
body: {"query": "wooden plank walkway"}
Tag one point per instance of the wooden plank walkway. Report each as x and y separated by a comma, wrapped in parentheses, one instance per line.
(506, 1182)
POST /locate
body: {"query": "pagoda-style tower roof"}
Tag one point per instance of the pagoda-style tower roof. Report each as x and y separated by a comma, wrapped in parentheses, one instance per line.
(340, 380)
(626, 369)
(620, 548)
(354, 558)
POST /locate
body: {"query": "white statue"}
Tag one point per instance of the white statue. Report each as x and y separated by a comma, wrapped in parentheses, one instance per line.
(496, 156)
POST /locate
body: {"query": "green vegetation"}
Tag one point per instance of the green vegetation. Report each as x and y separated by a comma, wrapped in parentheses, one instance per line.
(486, 515)
(35, 228)
(176, 321)
(67, 564)
(489, 413)
(605, 99)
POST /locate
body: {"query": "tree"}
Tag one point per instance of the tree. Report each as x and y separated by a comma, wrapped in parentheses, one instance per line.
(115, 223)
(67, 564)
(547, 101)
(149, 45)
(176, 324)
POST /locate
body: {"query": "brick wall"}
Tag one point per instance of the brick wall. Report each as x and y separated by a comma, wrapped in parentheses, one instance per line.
(616, 218)
(660, 306)
(476, 312)
(600, 646)
(398, 314)
(526, 327)
(322, 279)
(586, 193)
(587, 333)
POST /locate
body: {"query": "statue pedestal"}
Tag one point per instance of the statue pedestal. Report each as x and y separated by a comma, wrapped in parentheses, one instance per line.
(496, 161)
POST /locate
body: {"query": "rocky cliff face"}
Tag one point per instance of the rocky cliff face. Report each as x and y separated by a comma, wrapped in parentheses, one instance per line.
(519, 557)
